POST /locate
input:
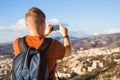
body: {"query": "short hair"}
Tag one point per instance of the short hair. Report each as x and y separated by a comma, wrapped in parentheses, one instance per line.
(37, 15)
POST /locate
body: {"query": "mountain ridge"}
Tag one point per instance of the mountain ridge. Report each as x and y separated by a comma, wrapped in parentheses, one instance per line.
(104, 40)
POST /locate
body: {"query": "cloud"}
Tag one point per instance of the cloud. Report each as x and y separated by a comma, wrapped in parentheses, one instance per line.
(9, 33)
(17, 29)
(110, 31)
(2, 29)
(52, 21)
(55, 21)
(19, 26)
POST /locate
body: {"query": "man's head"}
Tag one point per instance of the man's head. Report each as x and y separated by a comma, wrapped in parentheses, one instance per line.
(35, 20)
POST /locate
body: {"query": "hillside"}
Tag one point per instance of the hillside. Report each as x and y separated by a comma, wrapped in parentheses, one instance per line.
(106, 40)
(6, 49)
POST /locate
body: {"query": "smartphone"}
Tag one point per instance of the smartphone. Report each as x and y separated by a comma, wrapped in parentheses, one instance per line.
(55, 27)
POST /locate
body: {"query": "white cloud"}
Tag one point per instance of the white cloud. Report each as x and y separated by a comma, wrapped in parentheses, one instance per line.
(110, 31)
(21, 22)
(2, 28)
(55, 21)
(19, 26)
(52, 21)
(16, 30)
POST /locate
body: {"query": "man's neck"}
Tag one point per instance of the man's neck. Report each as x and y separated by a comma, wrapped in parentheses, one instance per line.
(32, 33)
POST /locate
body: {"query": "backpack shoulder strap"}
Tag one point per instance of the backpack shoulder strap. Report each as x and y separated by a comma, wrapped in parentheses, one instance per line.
(43, 61)
(43, 48)
(22, 44)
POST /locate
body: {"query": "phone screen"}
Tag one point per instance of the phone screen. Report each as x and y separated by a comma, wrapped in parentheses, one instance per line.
(55, 27)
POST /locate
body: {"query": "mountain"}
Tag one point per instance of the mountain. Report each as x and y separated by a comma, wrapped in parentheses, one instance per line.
(104, 40)
(77, 34)
(6, 48)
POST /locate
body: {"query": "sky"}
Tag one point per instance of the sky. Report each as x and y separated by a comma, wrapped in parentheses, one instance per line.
(86, 16)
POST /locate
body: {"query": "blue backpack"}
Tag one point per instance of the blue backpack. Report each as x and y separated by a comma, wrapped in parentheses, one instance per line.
(31, 64)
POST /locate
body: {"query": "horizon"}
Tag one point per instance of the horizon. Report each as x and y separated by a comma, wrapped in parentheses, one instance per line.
(56, 35)
(87, 17)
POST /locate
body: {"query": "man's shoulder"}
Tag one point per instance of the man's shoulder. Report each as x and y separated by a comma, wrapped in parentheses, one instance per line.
(16, 40)
(54, 41)
(57, 44)
(15, 46)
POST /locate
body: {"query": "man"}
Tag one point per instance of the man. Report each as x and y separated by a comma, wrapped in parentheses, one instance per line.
(35, 22)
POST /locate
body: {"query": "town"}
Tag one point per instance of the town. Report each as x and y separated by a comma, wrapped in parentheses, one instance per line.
(81, 62)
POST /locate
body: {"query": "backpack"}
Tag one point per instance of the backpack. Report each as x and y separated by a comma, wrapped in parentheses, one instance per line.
(31, 64)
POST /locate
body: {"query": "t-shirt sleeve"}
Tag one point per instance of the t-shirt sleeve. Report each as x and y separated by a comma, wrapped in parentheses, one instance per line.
(15, 47)
(56, 50)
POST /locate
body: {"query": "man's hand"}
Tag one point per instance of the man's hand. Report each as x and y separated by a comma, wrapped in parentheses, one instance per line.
(63, 30)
